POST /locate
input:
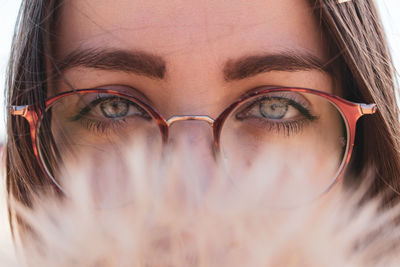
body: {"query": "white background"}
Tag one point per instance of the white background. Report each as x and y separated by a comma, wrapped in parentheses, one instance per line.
(390, 10)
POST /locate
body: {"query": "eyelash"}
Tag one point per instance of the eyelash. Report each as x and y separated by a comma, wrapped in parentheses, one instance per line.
(290, 127)
(109, 125)
(102, 128)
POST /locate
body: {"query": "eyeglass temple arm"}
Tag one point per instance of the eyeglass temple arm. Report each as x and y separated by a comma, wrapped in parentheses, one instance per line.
(29, 113)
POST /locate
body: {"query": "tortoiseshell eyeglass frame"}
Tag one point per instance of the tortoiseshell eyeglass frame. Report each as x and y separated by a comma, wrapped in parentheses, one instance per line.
(350, 112)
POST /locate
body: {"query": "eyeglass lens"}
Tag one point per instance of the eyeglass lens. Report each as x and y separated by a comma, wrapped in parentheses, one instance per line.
(292, 140)
(296, 140)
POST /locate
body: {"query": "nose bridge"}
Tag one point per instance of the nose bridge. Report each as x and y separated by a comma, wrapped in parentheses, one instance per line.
(190, 142)
(191, 131)
(194, 130)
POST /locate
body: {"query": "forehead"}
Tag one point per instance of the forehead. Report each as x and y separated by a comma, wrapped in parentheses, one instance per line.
(216, 28)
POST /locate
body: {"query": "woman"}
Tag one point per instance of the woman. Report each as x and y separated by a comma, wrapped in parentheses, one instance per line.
(197, 58)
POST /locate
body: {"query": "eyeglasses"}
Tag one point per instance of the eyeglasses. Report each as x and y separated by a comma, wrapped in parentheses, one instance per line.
(307, 135)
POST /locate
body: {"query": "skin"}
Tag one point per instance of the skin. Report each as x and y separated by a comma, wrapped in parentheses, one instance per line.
(196, 40)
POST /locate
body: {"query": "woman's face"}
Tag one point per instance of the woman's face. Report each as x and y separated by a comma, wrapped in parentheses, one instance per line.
(186, 57)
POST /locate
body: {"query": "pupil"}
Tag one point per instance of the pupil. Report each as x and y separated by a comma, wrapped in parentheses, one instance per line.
(114, 108)
(273, 109)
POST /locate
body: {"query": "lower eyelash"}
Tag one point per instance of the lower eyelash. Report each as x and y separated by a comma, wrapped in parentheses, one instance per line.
(102, 128)
(287, 127)
(291, 127)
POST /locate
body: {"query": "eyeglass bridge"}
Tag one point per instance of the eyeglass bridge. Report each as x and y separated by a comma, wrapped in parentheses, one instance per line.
(205, 118)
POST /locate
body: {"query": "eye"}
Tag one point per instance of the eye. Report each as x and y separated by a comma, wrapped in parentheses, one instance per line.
(276, 108)
(118, 108)
(112, 108)
(276, 112)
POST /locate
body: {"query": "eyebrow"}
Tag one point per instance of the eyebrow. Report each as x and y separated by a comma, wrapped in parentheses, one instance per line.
(249, 66)
(153, 66)
(137, 62)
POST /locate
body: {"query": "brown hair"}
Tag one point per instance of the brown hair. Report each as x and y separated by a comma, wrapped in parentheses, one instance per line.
(353, 31)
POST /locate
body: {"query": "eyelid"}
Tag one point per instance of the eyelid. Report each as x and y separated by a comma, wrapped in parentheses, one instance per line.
(294, 96)
(128, 90)
(86, 105)
(295, 99)
(291, 95)
(272, 88)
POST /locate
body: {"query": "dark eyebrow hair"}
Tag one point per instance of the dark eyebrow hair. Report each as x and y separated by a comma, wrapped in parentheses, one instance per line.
(141, 63)
(249, 66)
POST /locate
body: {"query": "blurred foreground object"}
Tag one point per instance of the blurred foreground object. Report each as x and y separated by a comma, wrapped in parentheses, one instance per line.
(174, 212)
